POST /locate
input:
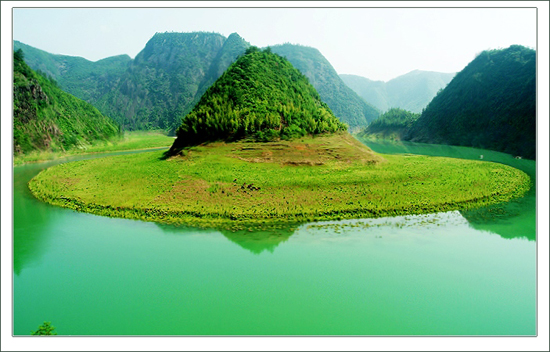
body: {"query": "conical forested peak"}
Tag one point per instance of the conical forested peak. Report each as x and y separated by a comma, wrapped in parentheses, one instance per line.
(261, 95)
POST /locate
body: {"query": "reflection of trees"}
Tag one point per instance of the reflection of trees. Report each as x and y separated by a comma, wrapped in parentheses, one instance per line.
(30, 235)
(255, 240)
(258, 241)
(32, 220)
(514, 219)
(180, 229)
(509, 220)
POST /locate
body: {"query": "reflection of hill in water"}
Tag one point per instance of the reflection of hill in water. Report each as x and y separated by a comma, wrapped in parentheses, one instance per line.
(255, 241)
(258, 241)
(515, 219)
(31, 236)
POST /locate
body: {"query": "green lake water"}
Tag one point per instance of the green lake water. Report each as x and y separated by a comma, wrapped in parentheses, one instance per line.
(455, 273)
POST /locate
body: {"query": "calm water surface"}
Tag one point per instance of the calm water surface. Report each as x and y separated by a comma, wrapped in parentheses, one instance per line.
(469, 273)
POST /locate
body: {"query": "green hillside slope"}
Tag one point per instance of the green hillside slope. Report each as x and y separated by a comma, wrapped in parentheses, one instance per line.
(490, 104)
(48, 119)
(392, 124)
(168, 77)
(165, 75)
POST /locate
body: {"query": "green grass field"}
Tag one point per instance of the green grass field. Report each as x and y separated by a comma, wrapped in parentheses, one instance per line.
(130, 141)
(243, 184)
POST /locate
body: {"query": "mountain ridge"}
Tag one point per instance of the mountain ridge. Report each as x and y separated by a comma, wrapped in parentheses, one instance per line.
(411, 91)
(125, 93)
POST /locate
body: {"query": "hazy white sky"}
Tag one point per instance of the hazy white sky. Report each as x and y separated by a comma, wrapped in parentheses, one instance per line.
(377, 43)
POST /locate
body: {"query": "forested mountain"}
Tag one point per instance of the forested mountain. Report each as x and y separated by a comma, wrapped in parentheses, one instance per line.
(167, 77)
(155, 89)
(47, 118)
(261, 95)
(344, 102)
(87, 80)
(412, 91)
(392, 124)
(490, 104)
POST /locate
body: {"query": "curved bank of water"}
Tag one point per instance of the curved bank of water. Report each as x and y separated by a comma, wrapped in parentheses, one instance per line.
(433, 274)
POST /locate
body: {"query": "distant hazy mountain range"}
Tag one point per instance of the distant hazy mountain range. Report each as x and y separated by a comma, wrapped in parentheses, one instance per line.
(412, 91)
(167, 78)
(490, 104)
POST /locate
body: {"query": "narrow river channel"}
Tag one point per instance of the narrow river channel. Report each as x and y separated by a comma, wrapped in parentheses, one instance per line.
(455, 273)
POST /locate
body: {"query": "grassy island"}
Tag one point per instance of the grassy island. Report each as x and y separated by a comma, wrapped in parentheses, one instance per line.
(245, 183)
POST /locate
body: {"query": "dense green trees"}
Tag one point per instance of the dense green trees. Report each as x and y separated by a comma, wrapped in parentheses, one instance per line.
(391, 124)
(46, 118)
(46, 329)
(261, 95)
(168, 77)
(490, 104)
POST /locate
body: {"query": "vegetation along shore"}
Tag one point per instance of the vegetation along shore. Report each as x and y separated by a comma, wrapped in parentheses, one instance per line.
(250, 184)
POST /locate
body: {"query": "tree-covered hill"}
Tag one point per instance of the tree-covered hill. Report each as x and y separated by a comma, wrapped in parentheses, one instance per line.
(232, 48)
(490, 104)
(261, 95)
(412, 91)
(87, 80)
(48, 119)
(343, 101)
(392, 124)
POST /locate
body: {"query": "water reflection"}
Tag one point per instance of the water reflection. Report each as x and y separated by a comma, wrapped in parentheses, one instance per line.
(35, 223)
(411, 275)
(514, 219)
(258, 241)
(31, 220)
